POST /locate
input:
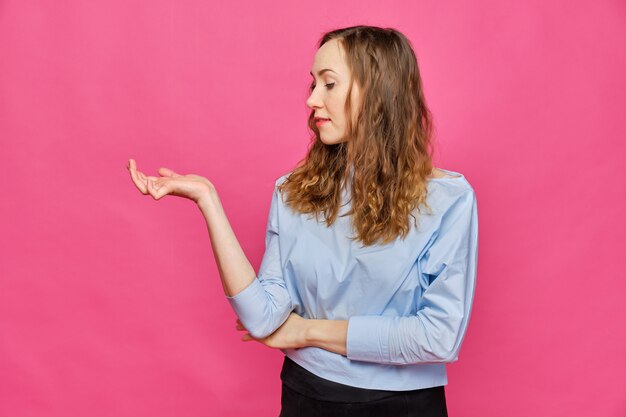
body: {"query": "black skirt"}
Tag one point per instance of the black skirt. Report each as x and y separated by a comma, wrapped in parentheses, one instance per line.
(305, 394)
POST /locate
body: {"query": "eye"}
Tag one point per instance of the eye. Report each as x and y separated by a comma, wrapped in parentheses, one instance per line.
(328, 86)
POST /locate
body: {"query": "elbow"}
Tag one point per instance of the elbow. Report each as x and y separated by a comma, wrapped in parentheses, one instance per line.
(265, 329)
(426, 354)
(426, 357)
(449, 357)
(447, 340)
(261, 329)
(448, 352)
(261, 333)
(443, 356)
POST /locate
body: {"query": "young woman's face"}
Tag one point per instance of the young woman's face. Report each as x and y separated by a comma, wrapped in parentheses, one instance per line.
(331, 78)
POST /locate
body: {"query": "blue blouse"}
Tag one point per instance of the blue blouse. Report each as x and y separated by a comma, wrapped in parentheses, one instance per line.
(407, 302)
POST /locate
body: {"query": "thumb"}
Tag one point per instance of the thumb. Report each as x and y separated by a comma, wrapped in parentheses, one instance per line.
(166, 172)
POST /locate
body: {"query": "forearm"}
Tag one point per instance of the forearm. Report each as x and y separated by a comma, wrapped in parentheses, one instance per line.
(427, 337)
(330, 335)
(235, 270)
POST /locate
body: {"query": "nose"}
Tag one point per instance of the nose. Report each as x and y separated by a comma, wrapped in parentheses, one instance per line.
(313, 101)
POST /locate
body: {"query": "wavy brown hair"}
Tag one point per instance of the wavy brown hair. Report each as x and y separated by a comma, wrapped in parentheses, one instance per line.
(387, 157)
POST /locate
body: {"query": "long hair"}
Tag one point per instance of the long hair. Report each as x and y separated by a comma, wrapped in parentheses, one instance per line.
(388, 152)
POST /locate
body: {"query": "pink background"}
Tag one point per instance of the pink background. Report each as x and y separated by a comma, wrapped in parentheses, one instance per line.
(110, 302)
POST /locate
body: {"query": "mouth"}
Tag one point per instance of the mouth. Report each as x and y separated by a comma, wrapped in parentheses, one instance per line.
(320, 120)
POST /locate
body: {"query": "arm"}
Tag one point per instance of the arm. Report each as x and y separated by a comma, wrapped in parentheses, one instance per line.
(235, 270)
(263, 307)
(434, 334)
(330, 335)
(261, 302)
(298, 332)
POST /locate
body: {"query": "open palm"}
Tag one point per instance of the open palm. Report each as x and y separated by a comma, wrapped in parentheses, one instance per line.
(190, 186)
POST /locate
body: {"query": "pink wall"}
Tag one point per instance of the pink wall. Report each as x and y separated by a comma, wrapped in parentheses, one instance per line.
(110, 302)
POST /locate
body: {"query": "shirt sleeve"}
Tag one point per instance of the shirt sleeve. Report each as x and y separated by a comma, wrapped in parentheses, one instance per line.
(436, 331)
(264, 305)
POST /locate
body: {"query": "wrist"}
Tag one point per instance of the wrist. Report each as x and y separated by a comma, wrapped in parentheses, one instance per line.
(311, 333)
(330, 335)
(208, 200)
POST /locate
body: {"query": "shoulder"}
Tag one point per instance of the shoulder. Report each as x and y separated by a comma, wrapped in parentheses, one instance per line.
(282, 178)
(444, 173)
(450, 180)
(278, 181)
(277, 193)
(448, 189)
(441, 173)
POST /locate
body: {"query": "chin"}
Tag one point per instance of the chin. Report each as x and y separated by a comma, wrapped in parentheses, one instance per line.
(331, 141)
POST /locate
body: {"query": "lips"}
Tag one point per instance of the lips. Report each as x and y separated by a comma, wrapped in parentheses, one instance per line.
(319, 121)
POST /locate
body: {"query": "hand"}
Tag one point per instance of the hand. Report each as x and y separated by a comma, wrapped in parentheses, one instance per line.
(291, 335)
(193, 187)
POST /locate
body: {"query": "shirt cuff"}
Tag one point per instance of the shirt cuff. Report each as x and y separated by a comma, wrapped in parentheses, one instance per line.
(246, 302)
(368, 338)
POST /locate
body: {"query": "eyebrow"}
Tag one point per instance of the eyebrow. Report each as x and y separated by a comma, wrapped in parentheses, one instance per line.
(320, 72)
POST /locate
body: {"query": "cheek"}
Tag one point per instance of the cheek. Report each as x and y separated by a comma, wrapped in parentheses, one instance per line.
(338, 107)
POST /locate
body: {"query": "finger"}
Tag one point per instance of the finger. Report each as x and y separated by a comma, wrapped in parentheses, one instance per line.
(246, 337)
(132, 165)
(136, 177)
(166, 172)
(149, 177)
(140, 179)
(155, 193)
(143, 177)
(160, 181)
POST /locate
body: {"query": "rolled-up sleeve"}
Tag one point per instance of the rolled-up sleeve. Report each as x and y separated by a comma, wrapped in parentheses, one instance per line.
(436, 331)
(265, 304)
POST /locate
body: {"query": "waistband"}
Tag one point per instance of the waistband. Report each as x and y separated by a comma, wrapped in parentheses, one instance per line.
(306, 383)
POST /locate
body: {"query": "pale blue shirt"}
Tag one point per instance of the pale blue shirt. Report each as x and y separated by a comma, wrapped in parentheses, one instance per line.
(407, 302)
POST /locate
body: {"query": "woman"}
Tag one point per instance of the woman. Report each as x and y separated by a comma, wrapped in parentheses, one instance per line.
(368, 304)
